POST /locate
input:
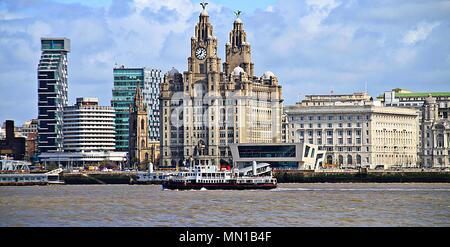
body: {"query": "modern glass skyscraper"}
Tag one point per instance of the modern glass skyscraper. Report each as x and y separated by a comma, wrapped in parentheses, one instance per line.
(52, 93)
(125, 82)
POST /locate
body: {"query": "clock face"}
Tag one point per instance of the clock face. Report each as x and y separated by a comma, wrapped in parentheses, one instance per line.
(200, 53)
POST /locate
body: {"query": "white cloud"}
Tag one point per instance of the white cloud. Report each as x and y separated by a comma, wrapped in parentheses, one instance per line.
(419, 33)
(319, 11)
(312, 46)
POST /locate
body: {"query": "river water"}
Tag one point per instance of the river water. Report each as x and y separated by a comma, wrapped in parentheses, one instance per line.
(288, 205)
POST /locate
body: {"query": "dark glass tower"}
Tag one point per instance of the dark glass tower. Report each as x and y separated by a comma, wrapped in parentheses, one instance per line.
(52, 93)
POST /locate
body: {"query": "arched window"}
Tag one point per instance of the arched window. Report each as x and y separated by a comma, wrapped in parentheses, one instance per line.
(143, 144)
(341, 159)
(142, 124)
(349, 160)
(358, 159)
(330, 159)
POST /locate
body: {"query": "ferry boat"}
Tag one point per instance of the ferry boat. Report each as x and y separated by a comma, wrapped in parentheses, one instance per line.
(257, 176)
(20, 179)
(150, 177)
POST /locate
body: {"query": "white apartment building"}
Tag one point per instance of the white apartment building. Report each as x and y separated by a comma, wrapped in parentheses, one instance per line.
(88, 127)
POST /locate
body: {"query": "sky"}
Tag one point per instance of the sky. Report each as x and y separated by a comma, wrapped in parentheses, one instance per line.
(312, 46)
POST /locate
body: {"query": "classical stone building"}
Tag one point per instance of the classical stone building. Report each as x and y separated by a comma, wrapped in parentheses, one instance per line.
(356, 133)
(335, 99)
(423, 102)
(435, 130)
(205, 109)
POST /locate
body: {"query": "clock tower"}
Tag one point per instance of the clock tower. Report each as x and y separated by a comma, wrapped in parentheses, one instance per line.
(237, 50)
(203, 59)
(205, 109)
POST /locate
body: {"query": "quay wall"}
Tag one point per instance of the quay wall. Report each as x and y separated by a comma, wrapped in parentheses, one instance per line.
(286, 176)
(296, 176)
(98, 178)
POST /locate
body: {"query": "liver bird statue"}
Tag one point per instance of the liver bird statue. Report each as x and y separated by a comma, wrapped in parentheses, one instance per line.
(203, 4)
(238, 13)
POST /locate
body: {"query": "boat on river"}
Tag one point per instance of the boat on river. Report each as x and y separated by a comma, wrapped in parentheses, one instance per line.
(16, 178)
(210, 177)
(150, 177)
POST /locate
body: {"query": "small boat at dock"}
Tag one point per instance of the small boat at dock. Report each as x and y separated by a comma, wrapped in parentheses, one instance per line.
(150, 177)
(26, 178)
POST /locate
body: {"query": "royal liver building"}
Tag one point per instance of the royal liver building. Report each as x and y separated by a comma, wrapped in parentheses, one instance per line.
(205, 109)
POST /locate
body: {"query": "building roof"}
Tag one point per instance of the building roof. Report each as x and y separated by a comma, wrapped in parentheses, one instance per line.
(433, 94)
(420, 94)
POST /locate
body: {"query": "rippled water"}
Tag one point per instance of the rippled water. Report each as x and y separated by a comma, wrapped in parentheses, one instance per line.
(289, 205)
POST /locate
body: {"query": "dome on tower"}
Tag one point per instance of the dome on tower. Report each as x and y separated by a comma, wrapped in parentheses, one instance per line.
(237, 71)
(173, 71)
(268, 74)
(204, 13)
(238, 20)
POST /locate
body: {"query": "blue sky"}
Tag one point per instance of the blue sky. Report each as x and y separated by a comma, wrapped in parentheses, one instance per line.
(313, 46)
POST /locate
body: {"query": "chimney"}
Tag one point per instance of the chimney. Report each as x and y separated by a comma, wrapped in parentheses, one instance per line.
(9, 129)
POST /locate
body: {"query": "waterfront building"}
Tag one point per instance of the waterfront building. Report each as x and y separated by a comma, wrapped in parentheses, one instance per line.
(125, 82)
(30, 126)
(435, 130)
(285, 128)
(416, 100)
(283, 156)
(70, 160)
(11, 146)
(205, 109)
(88, 127)
(361, 133)
(140, 149)
(335, 99)
(29, 130)
(89, 136)
(404, 98)
(52, 92)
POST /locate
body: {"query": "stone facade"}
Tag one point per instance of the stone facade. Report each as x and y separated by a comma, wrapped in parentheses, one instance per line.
(205, 109)
(357, 133)
(435, 130)
(139, 148)
(429, 154)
